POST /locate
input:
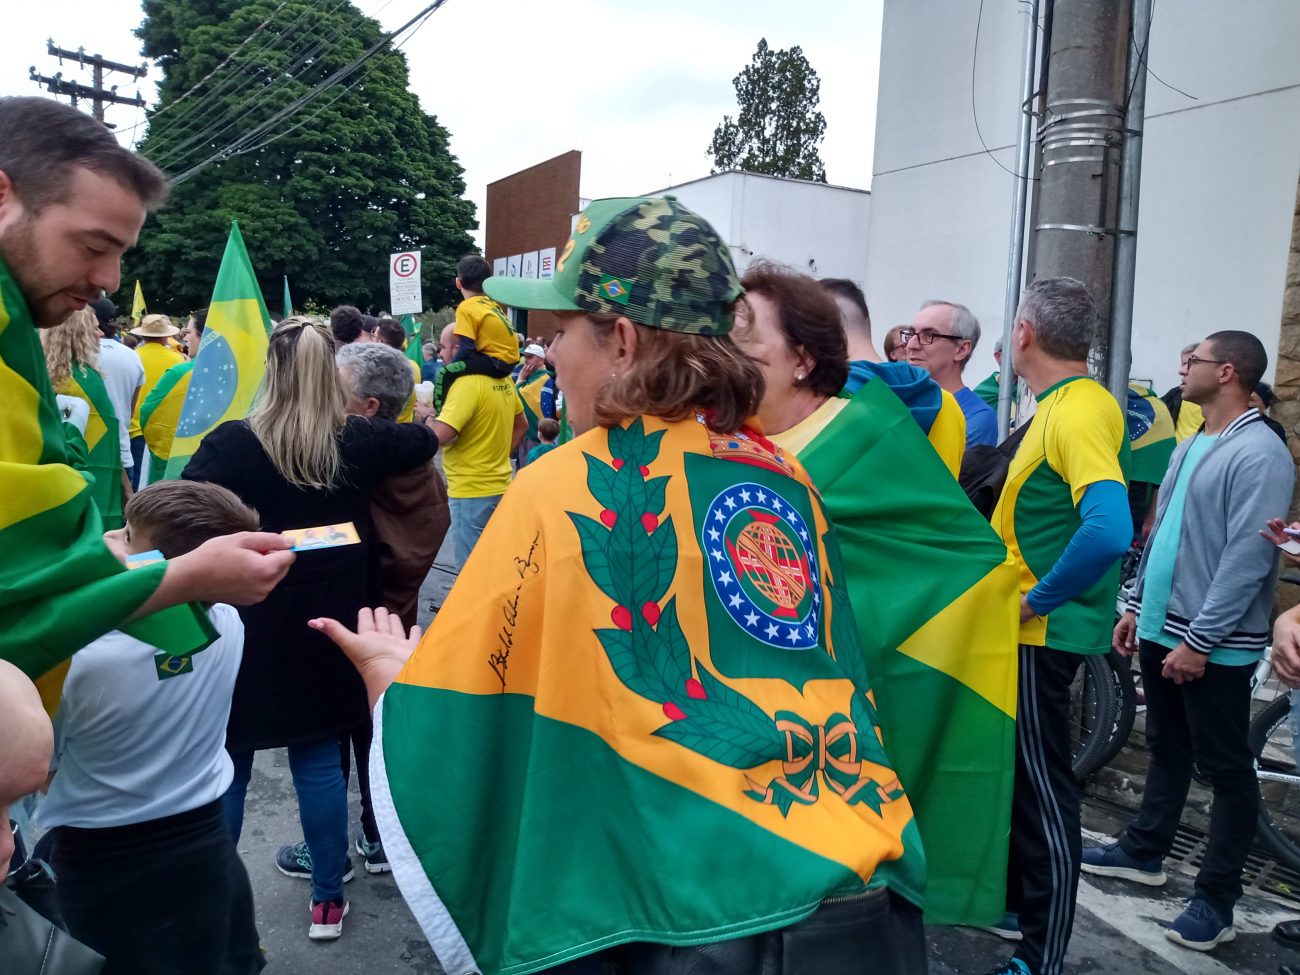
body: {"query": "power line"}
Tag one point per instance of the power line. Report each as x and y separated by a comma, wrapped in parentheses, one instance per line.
(216, 111)
(307, 98)
(974, 59)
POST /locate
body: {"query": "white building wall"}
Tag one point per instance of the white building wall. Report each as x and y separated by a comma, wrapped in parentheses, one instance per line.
(813, 227)
(1218, 181)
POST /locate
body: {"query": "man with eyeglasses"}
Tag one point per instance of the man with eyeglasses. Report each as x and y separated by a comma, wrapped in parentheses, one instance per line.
(941, 339)
(1064, 515)
(1197, 613)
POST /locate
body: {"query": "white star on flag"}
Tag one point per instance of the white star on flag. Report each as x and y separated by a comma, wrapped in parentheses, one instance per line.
(713, 535)
(744, 496)
(751, 618)
(716, 554)
(729, 502)
(771, 630)
(725, 578)
(735, 600)
(793, 635)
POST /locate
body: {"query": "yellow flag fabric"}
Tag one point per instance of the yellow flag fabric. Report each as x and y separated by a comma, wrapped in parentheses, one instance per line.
(231, 359)
(649, 648)
(60, 587)
(138, 306)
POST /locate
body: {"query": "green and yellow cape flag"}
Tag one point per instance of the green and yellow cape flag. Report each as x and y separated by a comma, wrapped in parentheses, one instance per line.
(103, 445)
(1150, 434)
(60, 587)
(662, 665)
(936, 598)
(138, 306)
(231, 359)
(160, 413)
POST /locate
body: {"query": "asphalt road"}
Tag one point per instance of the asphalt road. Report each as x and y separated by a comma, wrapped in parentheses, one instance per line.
(1119, 927)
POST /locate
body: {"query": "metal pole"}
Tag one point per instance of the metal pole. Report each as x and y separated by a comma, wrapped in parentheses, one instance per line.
(1016, 252)
(1119, 354)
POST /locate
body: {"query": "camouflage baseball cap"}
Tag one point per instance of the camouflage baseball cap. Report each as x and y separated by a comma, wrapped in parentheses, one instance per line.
(649, 259)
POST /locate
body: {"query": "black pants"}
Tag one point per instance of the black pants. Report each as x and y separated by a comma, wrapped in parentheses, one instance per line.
(357, 742)
(165, 897)
(1204, 721)
(876, 934)
(1043, 867)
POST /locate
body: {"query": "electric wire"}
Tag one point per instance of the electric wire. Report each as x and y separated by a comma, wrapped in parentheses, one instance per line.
(214, 103)
(225, 116)
(303, 100)
(974, 60)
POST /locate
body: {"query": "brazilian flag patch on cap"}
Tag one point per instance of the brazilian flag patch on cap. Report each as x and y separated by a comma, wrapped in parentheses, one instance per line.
(615, 289)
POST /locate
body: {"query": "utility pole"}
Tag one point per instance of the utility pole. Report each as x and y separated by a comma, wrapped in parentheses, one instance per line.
(1081, 143)
(95, 93)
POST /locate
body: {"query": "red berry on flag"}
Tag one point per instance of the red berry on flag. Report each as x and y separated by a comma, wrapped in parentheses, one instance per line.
(645, 471)
(608, 517)
(674, 712)
(649, 521)
(695, 690)
(617, 462)
(622, 617)
(650, 611)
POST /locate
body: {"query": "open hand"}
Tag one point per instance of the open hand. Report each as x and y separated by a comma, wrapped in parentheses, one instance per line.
(1273, 531)
(379, 648)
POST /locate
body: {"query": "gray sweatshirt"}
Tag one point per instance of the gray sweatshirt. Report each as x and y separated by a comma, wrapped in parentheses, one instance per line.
(1225, 572)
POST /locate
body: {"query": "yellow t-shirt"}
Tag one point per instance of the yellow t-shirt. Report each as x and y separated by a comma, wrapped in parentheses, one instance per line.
(408, 411)
(1190, 419)
(156, 359)
(1078, 437)
(483, 320)
(482, 410)
(798, 437)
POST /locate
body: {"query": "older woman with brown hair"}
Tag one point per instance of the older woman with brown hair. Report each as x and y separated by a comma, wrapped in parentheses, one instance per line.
(637, 736)
(933, 590)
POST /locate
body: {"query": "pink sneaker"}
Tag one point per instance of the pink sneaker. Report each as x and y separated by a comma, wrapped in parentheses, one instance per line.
(327, 920)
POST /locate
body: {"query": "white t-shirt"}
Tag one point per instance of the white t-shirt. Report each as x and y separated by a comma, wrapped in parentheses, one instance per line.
(123, 374)
(131, 746)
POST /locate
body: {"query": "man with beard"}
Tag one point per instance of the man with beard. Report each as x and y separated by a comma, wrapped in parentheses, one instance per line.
(71, 202)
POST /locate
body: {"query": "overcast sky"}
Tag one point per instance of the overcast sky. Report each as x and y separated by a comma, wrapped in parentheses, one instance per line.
(636, 85)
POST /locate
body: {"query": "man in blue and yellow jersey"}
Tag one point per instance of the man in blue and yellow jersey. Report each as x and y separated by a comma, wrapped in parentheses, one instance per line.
(1064, 515)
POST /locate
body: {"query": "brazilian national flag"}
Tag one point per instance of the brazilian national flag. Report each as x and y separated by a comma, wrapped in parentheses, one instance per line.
(160, 414)
(232, 356)
(60, 587)
(936, 599)
(103, 444)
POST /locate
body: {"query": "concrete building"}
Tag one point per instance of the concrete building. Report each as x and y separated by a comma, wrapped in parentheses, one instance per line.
(813, 227)
(1219, 170)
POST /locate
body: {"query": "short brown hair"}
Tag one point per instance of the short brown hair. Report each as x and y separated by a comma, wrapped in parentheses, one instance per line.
(548, 429)
(676, 373)
(809, 319)
(42, 141)
(179, 516)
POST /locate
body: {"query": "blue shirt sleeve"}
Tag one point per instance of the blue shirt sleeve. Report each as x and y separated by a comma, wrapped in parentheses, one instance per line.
(1105, 535)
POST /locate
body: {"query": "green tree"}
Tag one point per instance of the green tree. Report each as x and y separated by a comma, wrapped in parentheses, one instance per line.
(778, 128)
(324, 196)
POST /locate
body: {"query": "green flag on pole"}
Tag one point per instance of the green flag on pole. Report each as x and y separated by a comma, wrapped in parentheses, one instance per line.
(412, 328)
(288, 301)
(231, 358)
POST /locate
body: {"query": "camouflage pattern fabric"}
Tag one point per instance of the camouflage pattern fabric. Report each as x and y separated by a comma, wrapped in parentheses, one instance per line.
(663, 266)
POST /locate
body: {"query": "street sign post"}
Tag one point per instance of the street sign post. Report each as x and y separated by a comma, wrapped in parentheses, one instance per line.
(404, 294)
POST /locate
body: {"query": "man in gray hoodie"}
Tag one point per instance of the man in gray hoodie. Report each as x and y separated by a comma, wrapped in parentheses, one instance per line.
(1198, 615)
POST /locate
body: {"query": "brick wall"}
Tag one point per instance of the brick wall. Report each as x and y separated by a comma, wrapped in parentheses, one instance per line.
(529, 211)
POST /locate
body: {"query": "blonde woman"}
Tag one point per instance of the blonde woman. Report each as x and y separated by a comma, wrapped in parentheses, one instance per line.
(302, 464)
(72, 358)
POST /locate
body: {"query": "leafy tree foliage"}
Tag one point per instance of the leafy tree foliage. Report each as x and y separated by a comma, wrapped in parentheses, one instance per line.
(778, 128)
(326, 195)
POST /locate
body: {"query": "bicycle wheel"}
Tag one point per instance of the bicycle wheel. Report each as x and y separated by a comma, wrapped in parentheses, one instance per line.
(1279, 782)
(1095, 715)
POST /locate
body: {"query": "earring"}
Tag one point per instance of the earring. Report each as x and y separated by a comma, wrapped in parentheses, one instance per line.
(798, 377)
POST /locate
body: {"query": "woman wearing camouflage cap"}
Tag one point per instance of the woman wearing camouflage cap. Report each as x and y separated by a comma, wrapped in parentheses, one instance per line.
(637, 737)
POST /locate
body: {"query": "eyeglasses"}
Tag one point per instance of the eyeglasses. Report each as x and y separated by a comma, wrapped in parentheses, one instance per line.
(1194, 359)
(926, 336)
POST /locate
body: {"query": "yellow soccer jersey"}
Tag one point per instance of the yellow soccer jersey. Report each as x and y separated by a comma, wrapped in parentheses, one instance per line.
(1077, 437)
(483, 320)
(157, 359)
(482, 411)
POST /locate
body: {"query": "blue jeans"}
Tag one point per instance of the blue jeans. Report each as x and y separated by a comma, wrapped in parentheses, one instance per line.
(469, 516)
(322, 809)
